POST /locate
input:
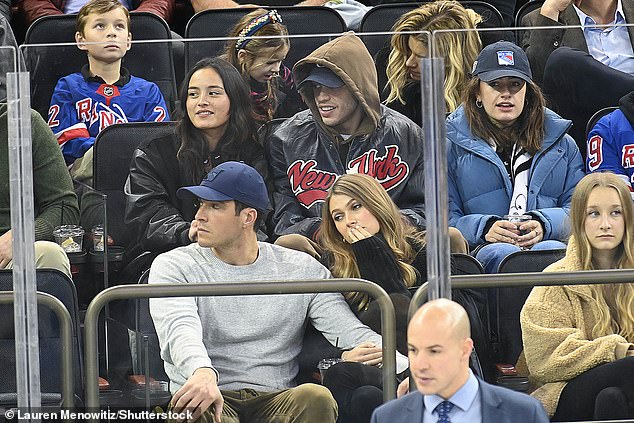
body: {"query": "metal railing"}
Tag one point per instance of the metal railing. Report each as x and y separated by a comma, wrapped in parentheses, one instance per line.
(388, 326)
(65, 323)
(527, 280)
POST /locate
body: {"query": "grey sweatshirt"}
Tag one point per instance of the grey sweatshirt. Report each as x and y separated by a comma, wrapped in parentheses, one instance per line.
(251, 341)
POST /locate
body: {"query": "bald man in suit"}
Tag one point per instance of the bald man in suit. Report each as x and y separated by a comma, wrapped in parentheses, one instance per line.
(439, 345)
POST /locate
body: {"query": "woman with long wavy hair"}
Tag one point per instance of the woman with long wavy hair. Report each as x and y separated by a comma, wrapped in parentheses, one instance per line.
(579, 339)
(215, 125)
(459, 49)
(512, 166)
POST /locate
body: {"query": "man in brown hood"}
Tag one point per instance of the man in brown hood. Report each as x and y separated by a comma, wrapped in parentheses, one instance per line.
(345, 130)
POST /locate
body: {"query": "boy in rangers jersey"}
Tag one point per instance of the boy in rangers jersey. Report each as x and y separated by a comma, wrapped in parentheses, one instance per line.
(610, 146)
(103, 93)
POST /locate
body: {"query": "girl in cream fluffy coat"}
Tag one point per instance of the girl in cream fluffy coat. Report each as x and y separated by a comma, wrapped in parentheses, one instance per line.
(578, 340)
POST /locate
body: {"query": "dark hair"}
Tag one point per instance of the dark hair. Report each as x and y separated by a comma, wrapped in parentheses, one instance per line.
(239, 142)
(259, 220)
(529, 126)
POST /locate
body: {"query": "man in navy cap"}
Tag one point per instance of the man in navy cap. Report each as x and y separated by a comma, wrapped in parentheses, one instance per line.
(345, 130)
(233, 358)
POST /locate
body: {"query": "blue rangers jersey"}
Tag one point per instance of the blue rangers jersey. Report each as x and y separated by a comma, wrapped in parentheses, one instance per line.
(610, 146)
(83, 105)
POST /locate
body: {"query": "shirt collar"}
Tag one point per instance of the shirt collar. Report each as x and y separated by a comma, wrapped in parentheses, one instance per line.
(619, 16)
(124, 77)
(463, 398)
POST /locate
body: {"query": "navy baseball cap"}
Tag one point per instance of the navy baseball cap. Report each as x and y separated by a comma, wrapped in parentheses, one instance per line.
(231, 181)
(323, 76)
(502, 59)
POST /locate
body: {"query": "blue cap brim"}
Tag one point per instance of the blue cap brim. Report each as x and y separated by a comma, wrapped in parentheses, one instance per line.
(323, 76)
(203, 192)
(503, 73)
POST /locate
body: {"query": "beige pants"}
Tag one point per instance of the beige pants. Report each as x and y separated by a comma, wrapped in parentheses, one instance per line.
(81, 169)
(49, 255)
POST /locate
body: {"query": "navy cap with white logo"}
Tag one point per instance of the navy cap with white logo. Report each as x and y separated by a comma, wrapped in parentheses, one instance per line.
(502, 59)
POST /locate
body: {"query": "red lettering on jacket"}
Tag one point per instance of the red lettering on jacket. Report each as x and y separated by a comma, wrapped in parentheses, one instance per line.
(309, 185)
(628, 156)
(390, 169)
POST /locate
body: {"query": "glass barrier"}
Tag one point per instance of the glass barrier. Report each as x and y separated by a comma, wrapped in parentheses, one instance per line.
(432, 83)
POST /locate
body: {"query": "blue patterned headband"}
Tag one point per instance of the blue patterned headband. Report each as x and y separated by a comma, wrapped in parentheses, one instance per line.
(254, 25)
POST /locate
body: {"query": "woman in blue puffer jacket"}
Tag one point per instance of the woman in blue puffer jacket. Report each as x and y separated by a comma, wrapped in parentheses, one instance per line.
(509, 155)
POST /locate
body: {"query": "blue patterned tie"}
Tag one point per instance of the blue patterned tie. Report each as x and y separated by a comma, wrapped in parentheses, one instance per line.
(443, 410)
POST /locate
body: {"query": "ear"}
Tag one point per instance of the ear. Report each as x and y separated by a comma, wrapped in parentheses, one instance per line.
(249, 216)
(79, 39)
(129, 46)
(242, 55)
(467, 347)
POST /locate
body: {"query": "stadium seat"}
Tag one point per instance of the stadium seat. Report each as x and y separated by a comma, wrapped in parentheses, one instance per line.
(595, 118)
(525, 9)
(381, 18)
(509, 301)
(61, 287)
(47, 64)
(299, 20)
(113, 152)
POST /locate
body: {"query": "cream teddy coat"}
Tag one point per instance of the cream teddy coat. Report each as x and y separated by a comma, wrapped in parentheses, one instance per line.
(557, 324)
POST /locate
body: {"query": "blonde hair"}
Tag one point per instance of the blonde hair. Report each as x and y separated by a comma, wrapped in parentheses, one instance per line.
(393, 226)
(459, 49)
(623, 293)
(255, 47)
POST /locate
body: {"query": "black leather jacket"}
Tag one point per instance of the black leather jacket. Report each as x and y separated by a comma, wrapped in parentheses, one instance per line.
(305, 160)
(159, 219)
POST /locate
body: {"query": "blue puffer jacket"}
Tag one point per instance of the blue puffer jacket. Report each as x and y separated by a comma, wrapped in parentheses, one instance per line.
(480, 188)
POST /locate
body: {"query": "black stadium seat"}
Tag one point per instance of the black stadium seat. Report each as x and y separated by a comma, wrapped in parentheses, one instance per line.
(47, 64)
(510, 301)
(57, 284)
(299, 20)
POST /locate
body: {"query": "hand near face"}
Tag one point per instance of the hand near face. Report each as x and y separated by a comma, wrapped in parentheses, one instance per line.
(193, 231)
(533, 233)
(552, 8)
(198, 394)
(365, 353)
(357, 233)
(503, 231)
(6, 249)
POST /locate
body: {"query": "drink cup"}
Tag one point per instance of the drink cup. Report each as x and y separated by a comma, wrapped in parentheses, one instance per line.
(326, 363)
(519, 219)
(97, 238)
(69, 237)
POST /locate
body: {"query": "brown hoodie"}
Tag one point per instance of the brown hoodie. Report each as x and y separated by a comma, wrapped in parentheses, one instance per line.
(350, 60)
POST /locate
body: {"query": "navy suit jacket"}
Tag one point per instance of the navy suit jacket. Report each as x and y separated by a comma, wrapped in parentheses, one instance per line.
(499, 405)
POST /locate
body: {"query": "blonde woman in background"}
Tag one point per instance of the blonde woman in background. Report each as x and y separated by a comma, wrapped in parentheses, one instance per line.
(579, 339)
(459, 49)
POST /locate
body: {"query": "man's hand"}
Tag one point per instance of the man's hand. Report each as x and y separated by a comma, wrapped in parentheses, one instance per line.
(299, 242)
(503, 231)
(198, 394)
(6, 249)
(533, 233)
(403, 388)
(364, 353)
(552, 8)
(193, 231)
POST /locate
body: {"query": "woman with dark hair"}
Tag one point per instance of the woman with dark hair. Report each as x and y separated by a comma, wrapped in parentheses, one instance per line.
(510, 160)
(215, 125)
